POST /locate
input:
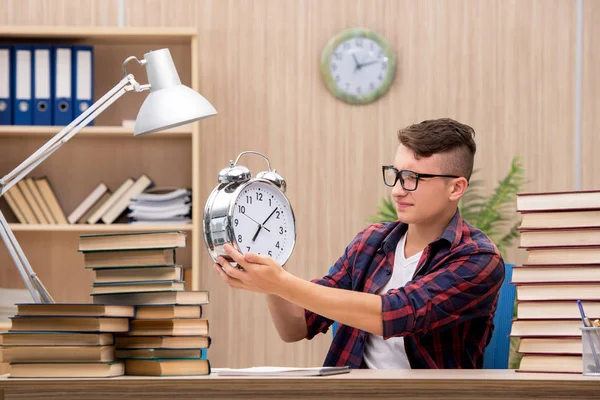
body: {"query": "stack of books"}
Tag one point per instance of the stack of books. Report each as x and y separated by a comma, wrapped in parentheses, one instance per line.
(168, 335)
(561, 233)
(65, 340)
(161, 205)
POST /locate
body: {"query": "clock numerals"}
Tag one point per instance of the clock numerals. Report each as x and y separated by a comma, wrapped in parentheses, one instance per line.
(240, 238)
(358, 42)
(277, 245)
(358, 90)
(247, 248)
(281, 230)
(259, 196)
(270, 253)
(346, 46)
(338, 78)
(334, 67)
(269, 202)
(248, 199)
(384, 65)
(380, 77)
(236, 222)
(242, 209)
(277, 214)
(371, 86)
(338, 56)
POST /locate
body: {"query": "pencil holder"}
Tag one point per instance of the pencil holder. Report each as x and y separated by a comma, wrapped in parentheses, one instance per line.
(591, 350)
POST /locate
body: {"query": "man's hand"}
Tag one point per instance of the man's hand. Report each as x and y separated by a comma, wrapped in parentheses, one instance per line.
(259, 274)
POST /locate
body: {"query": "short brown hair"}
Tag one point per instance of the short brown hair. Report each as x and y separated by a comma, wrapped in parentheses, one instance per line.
(442, 136)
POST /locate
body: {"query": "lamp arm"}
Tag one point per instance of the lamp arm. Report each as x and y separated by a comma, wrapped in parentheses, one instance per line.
(128, 83)
(33, 283)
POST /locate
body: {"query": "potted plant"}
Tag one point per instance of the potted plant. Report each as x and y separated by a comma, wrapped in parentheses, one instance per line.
(495, 215)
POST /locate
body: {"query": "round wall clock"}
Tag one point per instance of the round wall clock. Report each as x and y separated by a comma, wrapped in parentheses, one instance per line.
(358, 66)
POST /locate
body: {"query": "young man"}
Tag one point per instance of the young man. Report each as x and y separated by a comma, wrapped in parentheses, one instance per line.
(420, 292)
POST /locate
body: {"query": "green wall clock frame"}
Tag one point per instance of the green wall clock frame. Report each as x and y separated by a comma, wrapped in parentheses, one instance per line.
(358, 66)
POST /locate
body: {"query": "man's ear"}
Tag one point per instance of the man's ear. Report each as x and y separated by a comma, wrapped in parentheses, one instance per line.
(458, 188)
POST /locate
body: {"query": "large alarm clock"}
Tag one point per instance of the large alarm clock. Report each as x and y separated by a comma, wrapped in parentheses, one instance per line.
(252, 214)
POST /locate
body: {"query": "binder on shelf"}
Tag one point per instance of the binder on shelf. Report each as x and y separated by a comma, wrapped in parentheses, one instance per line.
(5, 85)
(42, 88)
(22, 85)
(62, 109)
(83, 79)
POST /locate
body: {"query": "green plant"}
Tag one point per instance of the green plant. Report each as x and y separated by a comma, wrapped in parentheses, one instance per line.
(495, 215)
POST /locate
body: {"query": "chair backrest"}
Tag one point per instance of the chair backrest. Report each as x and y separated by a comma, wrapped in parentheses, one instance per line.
(497, 352)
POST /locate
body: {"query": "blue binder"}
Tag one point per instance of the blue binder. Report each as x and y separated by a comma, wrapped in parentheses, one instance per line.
(5, 85)
(62, 109)
(83, 79)
(42, 88)
(22, 85)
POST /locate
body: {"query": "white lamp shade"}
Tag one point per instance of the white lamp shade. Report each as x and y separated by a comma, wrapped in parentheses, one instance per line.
(169, 103)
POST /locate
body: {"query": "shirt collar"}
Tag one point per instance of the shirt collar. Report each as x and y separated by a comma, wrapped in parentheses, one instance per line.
(452, 234)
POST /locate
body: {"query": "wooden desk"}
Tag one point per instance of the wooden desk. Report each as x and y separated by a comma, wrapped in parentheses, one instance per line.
(371, 384)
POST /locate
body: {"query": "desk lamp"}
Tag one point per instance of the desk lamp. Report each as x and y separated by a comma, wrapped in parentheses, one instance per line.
(169, 104)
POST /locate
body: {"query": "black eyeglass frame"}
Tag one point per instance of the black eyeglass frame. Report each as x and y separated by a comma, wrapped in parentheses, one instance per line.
(417, 174)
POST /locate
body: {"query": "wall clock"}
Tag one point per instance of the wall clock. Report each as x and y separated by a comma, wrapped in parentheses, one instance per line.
(358, 66)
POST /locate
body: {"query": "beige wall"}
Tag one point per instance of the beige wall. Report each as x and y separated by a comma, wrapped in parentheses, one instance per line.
(505, 67)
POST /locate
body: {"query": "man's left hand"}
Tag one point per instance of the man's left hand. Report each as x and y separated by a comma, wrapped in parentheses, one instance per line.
(259, 274)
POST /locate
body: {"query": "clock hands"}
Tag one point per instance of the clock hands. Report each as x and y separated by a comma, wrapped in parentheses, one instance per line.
(356, 63)
(369, 63)
(260, 226)
(256, 222)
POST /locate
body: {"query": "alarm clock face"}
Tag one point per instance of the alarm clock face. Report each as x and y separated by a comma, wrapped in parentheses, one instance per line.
(263, 221)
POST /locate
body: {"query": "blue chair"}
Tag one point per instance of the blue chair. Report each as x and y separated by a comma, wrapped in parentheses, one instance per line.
(497, 351)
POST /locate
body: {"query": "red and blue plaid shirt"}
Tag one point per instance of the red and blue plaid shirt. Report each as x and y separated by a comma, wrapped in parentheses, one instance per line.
(445, 313)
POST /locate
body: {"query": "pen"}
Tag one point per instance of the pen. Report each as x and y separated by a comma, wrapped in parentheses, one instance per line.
(587, 324)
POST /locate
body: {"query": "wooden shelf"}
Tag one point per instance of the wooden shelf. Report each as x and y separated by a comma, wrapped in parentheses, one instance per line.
(99, 228)
(108, 33)
(92, 131)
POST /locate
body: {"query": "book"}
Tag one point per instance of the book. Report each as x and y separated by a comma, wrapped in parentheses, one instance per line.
(87, 203)
(565, 237)
(550, 345)
(283, 371)
(168, 327)
(74, 310)
(56, 339)
(545, 328)
(162, 342)
(40, 200)
(134, 274)
(557, 290)
(15, 208)
(161, 353)
(167, 367)
(556, 273)
(132, 241)
(551, 363)
(69, 324)
(164, 298)
(169, 311)
(574, 200)
(95, 207)
(24, 207)
(57, 353)
(161, 194)
(561, 219)
(131, 287)
(131, 258)
(581, 255)
(95, 217)
(120, 205)
(37, 211)
(67, 370)
(557, 309)
(43, 185)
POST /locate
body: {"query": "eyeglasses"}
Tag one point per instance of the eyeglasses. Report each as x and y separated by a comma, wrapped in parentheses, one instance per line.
(408, 179)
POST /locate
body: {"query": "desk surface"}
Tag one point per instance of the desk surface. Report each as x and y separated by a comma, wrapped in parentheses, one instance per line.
(420, 384)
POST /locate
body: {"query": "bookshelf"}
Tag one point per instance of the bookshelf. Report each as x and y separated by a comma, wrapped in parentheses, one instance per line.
(106, 152)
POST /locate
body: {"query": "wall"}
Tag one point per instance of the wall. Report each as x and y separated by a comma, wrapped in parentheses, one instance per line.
(505, 67)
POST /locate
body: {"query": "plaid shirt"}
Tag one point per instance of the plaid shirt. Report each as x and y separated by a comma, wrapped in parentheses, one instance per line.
(445, 314)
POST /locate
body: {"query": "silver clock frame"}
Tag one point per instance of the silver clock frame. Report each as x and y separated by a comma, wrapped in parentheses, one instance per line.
(218, 212)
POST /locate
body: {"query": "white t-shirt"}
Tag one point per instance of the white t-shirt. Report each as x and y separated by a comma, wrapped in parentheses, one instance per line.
(390, 354)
